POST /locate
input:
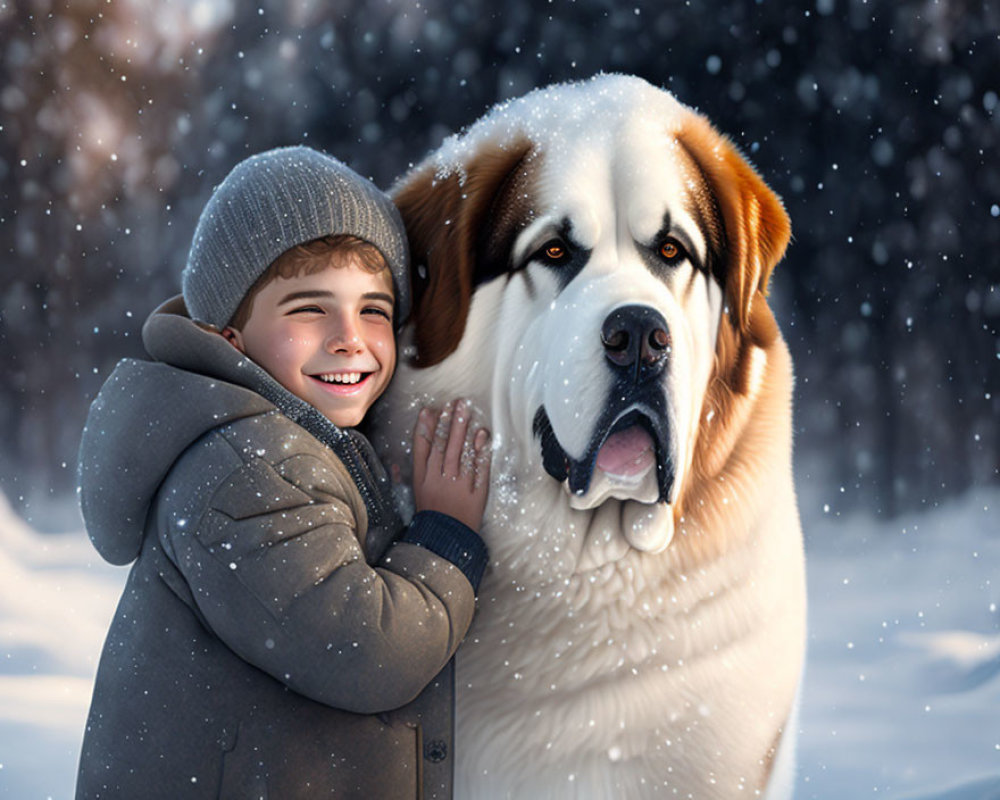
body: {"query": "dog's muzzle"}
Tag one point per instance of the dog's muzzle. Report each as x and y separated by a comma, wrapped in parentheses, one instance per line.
(633, 431)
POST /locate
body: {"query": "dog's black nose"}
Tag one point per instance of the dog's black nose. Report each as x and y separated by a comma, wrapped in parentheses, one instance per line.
(635, 337)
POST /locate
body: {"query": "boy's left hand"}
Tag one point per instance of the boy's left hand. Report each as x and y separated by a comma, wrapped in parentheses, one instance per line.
(451, 475)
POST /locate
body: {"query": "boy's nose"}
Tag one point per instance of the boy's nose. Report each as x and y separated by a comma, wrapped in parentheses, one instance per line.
(344, 336)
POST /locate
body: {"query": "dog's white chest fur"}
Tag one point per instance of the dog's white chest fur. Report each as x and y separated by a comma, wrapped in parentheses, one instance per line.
(622, 681)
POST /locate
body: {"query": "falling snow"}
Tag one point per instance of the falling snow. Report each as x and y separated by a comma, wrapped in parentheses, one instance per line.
(878, 123)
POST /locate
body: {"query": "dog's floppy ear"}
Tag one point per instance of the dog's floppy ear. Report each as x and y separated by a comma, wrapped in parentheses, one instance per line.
(445, 219)
(756, 227)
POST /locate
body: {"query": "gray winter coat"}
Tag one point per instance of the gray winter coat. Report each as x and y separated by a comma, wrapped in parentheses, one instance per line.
(274, 639)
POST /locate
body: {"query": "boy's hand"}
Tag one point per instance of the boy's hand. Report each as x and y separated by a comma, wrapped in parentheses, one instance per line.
(450, 474)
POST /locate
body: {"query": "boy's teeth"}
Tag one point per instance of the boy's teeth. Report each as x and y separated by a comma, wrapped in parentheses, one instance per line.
(344, 377)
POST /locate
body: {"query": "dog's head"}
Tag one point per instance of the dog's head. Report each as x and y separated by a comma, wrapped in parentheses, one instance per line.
(590, 265)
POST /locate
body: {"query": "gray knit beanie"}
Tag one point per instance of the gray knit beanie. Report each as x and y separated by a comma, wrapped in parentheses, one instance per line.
(271, 202)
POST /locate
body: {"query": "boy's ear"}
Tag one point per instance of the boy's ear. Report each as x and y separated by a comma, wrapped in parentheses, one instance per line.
(234, 337)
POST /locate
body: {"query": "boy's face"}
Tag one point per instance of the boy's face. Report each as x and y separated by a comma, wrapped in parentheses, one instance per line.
(326, 337)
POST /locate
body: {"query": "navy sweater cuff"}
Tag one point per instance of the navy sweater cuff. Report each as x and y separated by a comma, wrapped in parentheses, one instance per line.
(447, 537)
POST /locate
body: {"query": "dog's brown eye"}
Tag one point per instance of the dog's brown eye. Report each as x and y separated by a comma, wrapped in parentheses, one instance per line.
(555, 252)
(672, 250)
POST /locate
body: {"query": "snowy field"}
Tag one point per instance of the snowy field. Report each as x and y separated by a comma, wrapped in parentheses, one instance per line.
(902, 693)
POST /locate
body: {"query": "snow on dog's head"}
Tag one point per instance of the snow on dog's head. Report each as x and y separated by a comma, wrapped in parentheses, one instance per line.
(587, 262)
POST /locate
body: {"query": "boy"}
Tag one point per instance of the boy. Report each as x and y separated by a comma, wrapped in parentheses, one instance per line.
(277, 638)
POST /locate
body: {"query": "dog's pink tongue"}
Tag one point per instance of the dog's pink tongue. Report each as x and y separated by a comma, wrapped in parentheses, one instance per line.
(627, 452)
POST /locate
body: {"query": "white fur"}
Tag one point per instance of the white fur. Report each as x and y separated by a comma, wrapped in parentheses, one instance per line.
(599, 664)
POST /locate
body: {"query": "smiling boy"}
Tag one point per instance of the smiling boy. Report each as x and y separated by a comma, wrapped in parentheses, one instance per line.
(281, 633)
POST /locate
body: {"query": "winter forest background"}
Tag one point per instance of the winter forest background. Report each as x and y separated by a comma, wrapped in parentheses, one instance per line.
(877, 121)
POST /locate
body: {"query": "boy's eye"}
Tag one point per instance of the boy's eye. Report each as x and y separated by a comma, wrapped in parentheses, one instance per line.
(381, 312)
(306, 310)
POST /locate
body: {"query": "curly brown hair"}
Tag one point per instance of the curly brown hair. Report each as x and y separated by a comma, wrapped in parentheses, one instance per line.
(307, 259)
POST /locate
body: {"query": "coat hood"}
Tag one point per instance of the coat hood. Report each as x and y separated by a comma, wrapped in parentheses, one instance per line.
(146, 414)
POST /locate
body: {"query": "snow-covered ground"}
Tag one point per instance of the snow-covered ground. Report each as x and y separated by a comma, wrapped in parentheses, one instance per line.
(56, 601)
(902, 692)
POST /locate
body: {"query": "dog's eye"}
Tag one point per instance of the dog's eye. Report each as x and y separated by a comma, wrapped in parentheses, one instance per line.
(553, 252)
(672, 251)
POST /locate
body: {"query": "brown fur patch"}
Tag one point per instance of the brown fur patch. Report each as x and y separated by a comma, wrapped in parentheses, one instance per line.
(447, 221)
(756, 228)
(754, 234)
(703, 206)
(747, 231)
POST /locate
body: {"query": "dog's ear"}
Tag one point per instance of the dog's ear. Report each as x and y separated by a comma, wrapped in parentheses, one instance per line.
(749, 242)
(446, 219)
(756, 228)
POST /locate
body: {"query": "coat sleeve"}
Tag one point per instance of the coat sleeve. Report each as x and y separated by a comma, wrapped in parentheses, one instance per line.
(276, 569)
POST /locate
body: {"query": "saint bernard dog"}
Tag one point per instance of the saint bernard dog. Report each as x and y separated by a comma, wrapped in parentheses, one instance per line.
(591, 265)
